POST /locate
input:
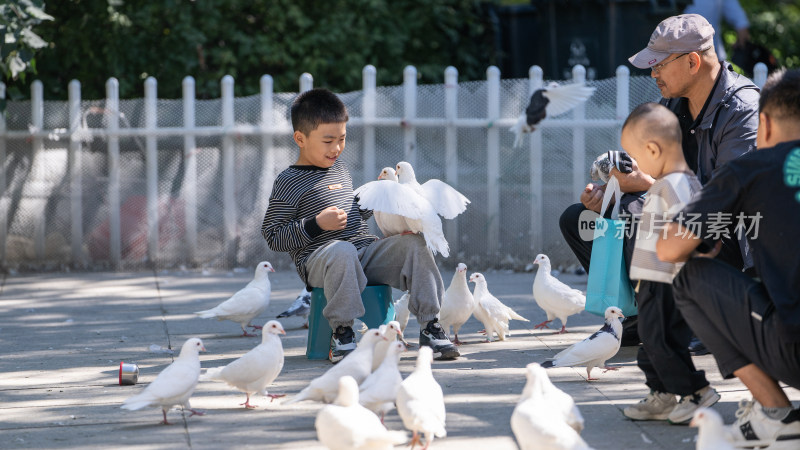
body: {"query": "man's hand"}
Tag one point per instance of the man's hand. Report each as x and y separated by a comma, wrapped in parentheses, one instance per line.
(635, 181)
(332, 218)
(592, 197)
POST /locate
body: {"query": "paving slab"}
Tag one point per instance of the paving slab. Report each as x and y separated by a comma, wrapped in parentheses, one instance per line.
(64, 335)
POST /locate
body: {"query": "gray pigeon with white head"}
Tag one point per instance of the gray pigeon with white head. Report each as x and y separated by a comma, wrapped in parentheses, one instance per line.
(594, 350)
(247, 303)
(174, 385)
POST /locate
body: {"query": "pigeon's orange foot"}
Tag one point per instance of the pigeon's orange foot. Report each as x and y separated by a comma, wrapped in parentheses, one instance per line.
(607, 368)
(274, 396)
(563, 330)
(246, 334)
(542, 325)
(256, 327)
(196, 413)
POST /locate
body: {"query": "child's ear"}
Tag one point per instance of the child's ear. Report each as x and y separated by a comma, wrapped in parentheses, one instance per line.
(654, 149)
(299, 138)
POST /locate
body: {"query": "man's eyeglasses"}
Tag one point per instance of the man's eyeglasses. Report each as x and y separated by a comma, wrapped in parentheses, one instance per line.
(657, 68)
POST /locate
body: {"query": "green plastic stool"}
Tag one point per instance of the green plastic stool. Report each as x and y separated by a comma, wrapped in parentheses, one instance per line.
(378, 306)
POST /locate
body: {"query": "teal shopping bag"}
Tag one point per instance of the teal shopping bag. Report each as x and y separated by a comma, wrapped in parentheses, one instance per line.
(609, 284)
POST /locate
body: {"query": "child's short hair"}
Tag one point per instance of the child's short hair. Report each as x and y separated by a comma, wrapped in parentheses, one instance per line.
(315, 107)
(659, 119)
(780, 95)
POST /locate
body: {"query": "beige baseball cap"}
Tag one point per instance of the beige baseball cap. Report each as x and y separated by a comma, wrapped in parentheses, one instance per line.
(677, 34)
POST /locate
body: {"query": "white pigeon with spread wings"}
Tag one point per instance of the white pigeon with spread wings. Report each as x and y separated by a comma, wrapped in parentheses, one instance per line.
(494, 315)
(247, 303)
(357, 364)
(544, 420)
(174, 385)
(594, 350)
(553, 296)
(551, 101)
(379, 390)
(399, 209)
(391, 331)
(457, 303)
(420, 401)
(255, 370)
(446, 200)
(710, 430)
(346, 425)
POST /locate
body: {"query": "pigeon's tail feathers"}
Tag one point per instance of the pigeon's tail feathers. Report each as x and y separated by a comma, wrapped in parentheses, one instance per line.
(513, 314)
(437, 243)
(136, 403)
(207, 314)
(565, 97)
(390, 437)
(548, 364)
(519, 129)
(214, 373)
(305, 394)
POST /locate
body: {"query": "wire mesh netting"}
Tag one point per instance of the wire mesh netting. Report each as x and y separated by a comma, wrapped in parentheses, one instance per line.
(49, 179)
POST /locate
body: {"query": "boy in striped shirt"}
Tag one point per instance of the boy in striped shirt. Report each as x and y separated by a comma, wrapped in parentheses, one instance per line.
(314, 216)
(652, 136)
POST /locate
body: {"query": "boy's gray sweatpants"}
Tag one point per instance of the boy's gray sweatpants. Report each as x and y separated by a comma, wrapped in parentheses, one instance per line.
(403, 262)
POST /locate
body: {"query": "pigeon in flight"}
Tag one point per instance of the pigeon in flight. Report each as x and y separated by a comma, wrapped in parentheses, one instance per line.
(256, 369)
(174, 385)
(594, 350)
(554, 297)
(447, 201)
(247, 303)
(551, 101)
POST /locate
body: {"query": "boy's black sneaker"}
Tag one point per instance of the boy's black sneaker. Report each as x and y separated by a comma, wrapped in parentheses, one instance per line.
(433, 336)
(343, 342)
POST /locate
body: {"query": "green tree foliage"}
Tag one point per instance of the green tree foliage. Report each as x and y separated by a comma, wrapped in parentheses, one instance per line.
(18, 41)
(774, 24)
(332, 40)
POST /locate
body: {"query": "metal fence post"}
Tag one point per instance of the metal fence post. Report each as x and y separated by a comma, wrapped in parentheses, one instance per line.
(369, 75)
(267, 150)
(228, 186)
(4, 200)
(578, 137)
(760, 74)
(36, 188)
(535, 82)
(493, 160)
(190, 168)
(151, 166)
(306, 82)
(112, 125)
(409, 114)
(623, 97)
(75, 163)
(451, 147)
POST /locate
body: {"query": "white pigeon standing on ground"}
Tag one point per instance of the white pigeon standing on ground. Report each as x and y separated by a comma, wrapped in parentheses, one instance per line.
(420, 401)
(491, 311)
(346, 425)
(255, 370)
(390, 332)
(301, 306)
(446, 200)
(247, 303)
(538, 420)
(174, 385)
(457, 303)
(357, 364)
(554, 297)
(710, 430)
(379, 390)
(594, 350)
(399, 209)
(551, 101)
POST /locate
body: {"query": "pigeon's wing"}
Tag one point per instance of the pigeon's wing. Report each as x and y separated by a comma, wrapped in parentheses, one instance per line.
(390, 197)
(565, 97)
(255, 369)
(248, 302)
(420, 403)
(535, 427)
(519, 128)
(446, 200)
(590, 349)
(174, 382)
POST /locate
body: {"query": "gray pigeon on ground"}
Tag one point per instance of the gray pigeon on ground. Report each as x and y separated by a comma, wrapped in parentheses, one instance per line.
(247, 303)
(174, 385)
(594, 350)
(301, 306)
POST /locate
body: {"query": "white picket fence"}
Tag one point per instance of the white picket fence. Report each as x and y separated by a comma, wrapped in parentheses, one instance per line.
(494, 109)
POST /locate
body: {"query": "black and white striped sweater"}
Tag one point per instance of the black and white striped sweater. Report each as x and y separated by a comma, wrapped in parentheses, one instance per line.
(298, 195)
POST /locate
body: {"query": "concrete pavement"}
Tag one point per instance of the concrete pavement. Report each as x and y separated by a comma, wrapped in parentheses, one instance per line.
(63, 336)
